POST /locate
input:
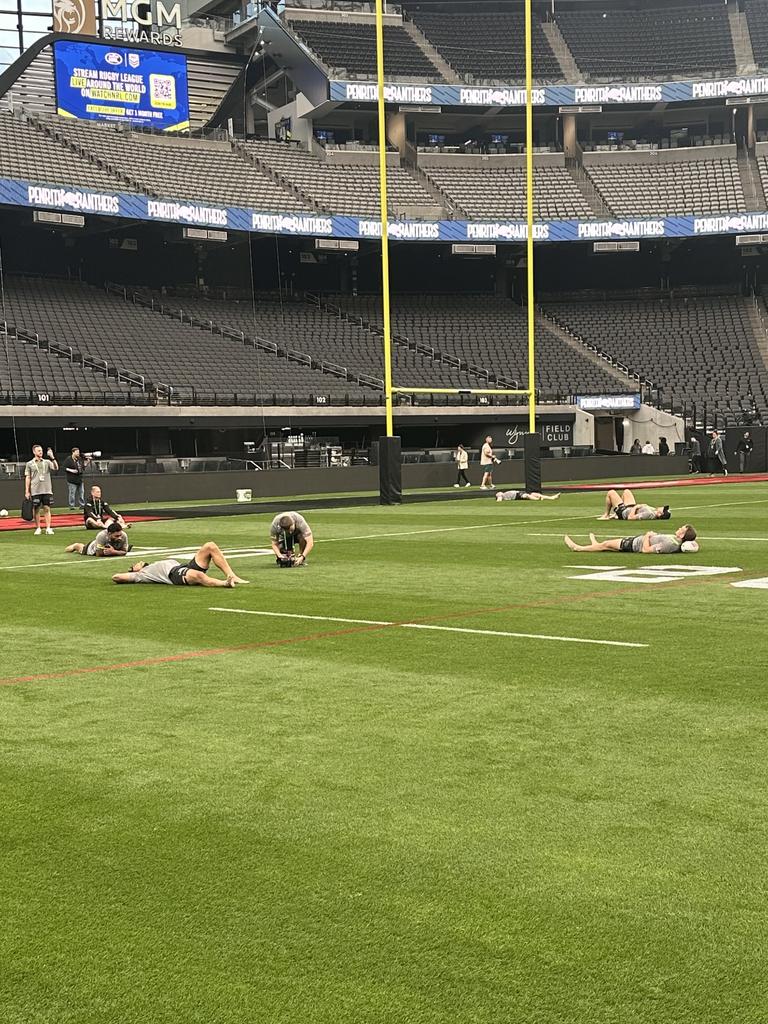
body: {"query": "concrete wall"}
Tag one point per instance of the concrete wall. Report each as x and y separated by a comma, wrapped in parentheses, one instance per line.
(159, 488)
(660, 156)
(489, 159)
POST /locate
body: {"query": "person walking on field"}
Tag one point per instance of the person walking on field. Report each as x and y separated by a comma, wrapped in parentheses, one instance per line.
(695, 454)
(744, 451)
(38, 486)
(462, 464)
(487, 461)
(716, 453)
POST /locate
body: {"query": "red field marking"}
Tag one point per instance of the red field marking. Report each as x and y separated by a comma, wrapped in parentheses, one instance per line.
(692, 481)
(72, 519)
(327, 635)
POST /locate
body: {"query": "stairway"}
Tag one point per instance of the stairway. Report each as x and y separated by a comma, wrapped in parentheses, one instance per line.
(447, 73)
(591, 196)
(757, 317)
(752, 187)
(742, 44)
(622, 377)
(565, 58)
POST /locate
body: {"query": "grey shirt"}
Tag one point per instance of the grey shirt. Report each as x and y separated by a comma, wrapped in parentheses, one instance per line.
(301, 527)
(156, 572)
(39, 473)
(665, 542)
(102, 540)
(507, 495)
(644, 512)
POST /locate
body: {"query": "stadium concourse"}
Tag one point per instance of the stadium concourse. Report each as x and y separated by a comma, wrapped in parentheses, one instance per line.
(474, 760)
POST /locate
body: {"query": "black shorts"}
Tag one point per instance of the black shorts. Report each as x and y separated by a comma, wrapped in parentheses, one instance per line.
(521, 495)
(178, 575)
(39, 500)
(626, 544)
(622, 511)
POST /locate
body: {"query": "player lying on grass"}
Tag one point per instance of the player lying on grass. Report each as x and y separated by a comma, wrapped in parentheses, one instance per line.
(525, 496)
(109, 543)
(683, 539)
(624, 506)
(193, 574)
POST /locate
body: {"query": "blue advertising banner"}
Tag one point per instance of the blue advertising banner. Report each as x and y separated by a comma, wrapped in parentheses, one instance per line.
(438, 95)
(236, 218)
(99, 82)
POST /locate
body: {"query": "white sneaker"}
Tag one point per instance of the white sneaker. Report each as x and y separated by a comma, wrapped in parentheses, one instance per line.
(491, 487)
(455, 485)
(483, 487)
(38, 531)
(49, 531)
(467, 485)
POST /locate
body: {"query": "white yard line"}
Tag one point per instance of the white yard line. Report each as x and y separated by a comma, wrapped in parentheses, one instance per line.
(407, 533)
(421, 625)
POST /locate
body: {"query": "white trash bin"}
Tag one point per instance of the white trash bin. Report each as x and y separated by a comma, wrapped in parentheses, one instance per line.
(244, 494)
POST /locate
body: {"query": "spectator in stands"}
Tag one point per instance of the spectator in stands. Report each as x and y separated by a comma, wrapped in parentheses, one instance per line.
(109, 543)
(487, 461)
(683, 539)
(462, 463)
(624, 506)
(635, 449)
(663, 446)
(289, 529)
(74, 467)
(717, 459)
(744, 451)
(193, 574)
(648, 449)
(695, 454)
(38, 486)
(97, 513)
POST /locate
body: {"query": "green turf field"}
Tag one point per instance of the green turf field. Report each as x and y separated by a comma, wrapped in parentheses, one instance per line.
(311, 820)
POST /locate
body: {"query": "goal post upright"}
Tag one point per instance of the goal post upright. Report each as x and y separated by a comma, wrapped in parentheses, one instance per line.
(529, 217)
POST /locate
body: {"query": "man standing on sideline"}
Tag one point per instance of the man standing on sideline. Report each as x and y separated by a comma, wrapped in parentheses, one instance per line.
(74, 467)
(286, 531)
(695, 454)
(97, 513)
(462, 464)
(648, 449)
(744, 451)
(716, 453)
(38, 486)
(487, 461)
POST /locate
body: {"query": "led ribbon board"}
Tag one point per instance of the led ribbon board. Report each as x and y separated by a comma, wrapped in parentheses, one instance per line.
(95, 82)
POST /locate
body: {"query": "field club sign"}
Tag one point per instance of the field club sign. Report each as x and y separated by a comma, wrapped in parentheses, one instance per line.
(556, 431)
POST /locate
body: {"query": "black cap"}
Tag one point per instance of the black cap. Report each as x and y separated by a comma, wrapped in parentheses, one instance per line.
(665, 513)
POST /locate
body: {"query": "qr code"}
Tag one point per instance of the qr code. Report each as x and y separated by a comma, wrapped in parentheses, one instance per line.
(162, 91)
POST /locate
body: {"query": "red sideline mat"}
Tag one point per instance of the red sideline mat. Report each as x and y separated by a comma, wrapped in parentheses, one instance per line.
(73, 519)
(690, 481)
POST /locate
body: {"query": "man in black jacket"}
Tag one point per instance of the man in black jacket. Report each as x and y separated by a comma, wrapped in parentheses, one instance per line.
(74, 467)
(98, 513)
(744, 451)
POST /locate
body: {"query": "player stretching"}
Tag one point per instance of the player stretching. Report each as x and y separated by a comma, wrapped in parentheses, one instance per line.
(624, 506)
(525, 496)
(193, 574)
(683, 539)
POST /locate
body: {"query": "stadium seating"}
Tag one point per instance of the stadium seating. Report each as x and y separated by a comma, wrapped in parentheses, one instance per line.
(337, 188)
(195, 169)
(326, 337)
(195, 363)
(637, 189)
(490, 333)
(757, 21)
(351, 47)
(661, 42)
(488, 46)
(32, 375)
(27, 154)
(701, 350)
(490, 192)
